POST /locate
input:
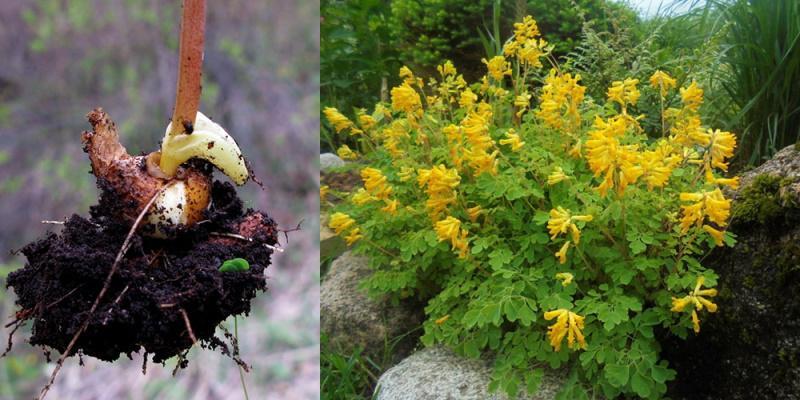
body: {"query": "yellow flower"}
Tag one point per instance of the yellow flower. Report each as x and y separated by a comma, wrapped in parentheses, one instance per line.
(375, 183)
(467, 99)
(446, 69)
(408, 76)
(561, 254)
(561, 97)
(705, 204)
(692, 96)
(657, 165)
(716, 234)
(697, 298)
(522, 102)
(440, 183)
(722, 146)
(624, 92)
(406, 99)
(567, 324)
(337, 119)
(353, 237)
(498, 67)
(620, 165)
(575, 151)
(405, 174)
(556, 176)
(662, 81)
(323, 191)
(442, 320)
(512, 139)
(340, 222)
(366, 121)
(449, 229)
(474, 213)
(391, 206)
(561, 221)
(346, 153)
(565, 278)
(362, 197)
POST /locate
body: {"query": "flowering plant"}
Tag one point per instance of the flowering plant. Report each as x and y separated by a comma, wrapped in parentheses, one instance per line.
(525, 226)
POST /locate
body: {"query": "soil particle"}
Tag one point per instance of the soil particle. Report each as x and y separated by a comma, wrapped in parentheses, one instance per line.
(154, 282)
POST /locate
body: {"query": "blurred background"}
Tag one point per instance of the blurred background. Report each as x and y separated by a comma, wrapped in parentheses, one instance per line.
(58, 60)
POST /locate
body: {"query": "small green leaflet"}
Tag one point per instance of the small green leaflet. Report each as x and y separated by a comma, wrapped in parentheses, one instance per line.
(235, 265)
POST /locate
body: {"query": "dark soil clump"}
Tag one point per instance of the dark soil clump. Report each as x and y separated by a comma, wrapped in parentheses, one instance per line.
(156, 283)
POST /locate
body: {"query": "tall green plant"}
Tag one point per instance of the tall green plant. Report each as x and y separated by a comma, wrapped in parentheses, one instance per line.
(355, 56)
(763, 80)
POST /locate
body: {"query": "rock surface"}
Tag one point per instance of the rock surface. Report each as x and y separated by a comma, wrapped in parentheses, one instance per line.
(436, 373)
(351, 319)
(329, 160)
(750, 349)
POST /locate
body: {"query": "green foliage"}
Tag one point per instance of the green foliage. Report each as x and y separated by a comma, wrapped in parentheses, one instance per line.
(427, 31)
(496, 216)
(763, 79)
(235, 265)
(356, 57)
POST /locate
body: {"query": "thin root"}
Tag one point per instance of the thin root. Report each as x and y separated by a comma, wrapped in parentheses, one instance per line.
(188, 325)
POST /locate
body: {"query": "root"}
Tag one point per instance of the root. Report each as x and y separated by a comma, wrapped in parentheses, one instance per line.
(188, 326)
(110, 309)
(18, 323)
(106, 285)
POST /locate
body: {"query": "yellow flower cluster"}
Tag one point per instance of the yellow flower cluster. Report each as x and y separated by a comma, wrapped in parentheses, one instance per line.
(662, 81)
(498, 67)
(341, 223)
(706, 204)
(346, 153)
(565, 278)
(392, 137)
(337, 119)
(512, 139)
(556, 176)
(527, 46)
(450, 229)
(624, 92)
(376, 188)
(657, 165)
(451, 88)
(619, 164)
(476, 130)
(561, 97)
(562, 221)
(440, 184)
(567, 324)
(697, 299)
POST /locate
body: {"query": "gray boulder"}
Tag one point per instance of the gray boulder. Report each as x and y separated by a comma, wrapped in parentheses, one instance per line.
(329, 160)
(353, 320)
(750, 349)
(436, 373)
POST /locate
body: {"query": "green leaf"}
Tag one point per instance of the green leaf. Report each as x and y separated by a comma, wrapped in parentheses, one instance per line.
(617, 374)
(235, 265)
(641, 384)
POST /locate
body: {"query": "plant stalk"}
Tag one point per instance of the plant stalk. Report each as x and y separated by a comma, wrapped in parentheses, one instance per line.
(190, 66)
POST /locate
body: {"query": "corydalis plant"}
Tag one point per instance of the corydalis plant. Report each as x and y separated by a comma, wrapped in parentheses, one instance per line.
(527, 225)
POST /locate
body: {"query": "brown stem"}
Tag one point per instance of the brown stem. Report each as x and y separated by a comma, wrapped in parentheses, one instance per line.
(190, 67)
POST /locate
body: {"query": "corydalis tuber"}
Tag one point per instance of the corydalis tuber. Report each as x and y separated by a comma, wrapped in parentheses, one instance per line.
(136, 179)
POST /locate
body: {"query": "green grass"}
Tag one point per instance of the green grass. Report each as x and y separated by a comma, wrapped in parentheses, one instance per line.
(346, 376)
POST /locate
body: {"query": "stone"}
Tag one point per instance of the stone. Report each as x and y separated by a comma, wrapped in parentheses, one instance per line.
(436, 373)
(750, 348)
(353, 320)
(329, 161)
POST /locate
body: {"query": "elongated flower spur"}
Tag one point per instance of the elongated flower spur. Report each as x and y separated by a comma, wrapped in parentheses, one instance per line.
(567, 324)
(697, 298)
